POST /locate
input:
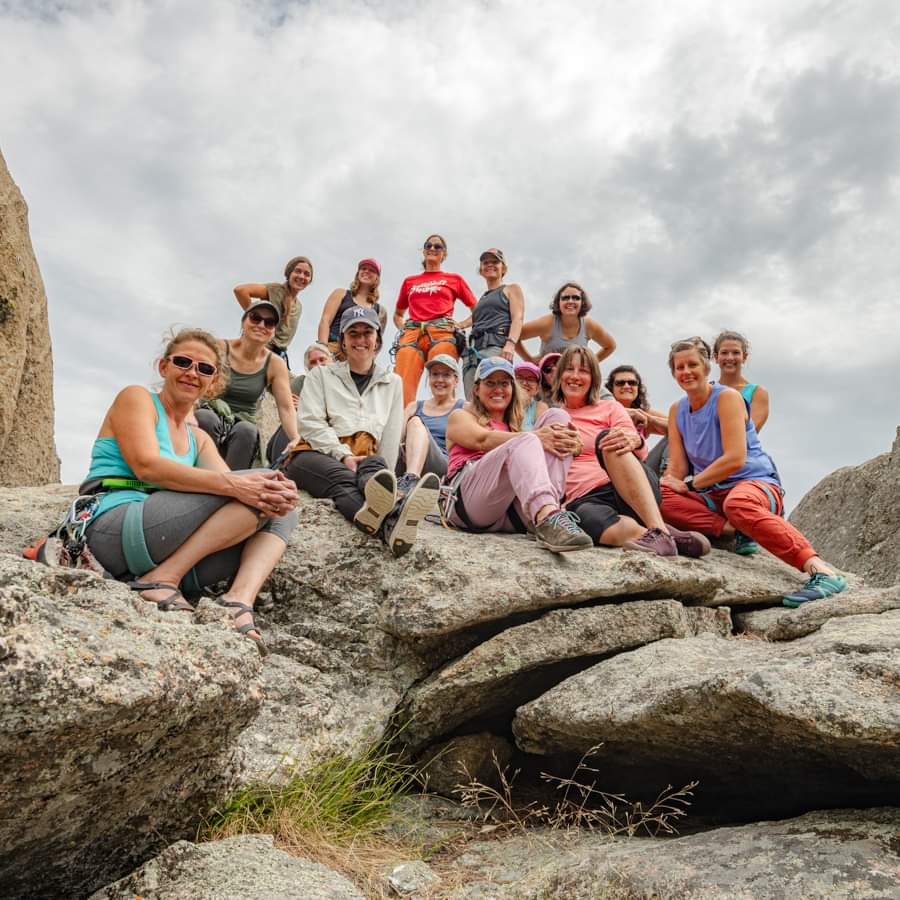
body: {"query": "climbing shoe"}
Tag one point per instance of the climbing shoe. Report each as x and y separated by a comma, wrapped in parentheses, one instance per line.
(818, 587)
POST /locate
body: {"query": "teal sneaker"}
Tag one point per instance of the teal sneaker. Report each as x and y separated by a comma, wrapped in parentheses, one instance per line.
(745, 546)
(818, 587)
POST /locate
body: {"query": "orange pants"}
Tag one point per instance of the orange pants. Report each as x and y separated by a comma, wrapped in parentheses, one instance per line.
(418, 345)
(747, 506)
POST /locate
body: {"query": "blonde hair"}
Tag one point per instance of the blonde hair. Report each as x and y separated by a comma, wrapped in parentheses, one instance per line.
(589, 361)
(175, 339)
(373, 290)
(512, 415)
(692, 343)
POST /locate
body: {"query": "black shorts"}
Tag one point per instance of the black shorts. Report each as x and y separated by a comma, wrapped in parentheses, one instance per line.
(601, 508)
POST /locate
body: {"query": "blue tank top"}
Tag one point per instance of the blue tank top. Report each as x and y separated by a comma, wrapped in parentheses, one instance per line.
(107, 461)
(437, 425)
(530, 415)
(702, 439)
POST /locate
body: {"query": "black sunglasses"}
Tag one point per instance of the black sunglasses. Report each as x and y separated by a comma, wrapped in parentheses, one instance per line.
(570, 297)
(625, 382)
(207, 370)
(257, 319)
(549, 368)
(429, 246)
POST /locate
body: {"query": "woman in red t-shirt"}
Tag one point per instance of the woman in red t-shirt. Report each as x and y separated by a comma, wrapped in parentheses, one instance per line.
(430, 330)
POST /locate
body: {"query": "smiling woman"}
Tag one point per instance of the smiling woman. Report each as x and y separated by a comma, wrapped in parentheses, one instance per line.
(169, 510)
(363, 291)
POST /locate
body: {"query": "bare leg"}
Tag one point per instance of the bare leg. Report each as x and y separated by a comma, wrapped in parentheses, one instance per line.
(226, 527)
(626, 529)
(631, 484)
(259, 556)
(417, 439)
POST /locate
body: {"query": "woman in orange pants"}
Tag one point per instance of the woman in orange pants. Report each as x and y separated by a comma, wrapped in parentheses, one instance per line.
(430, 330)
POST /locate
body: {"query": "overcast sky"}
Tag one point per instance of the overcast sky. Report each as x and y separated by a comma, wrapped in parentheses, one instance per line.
(695, 164)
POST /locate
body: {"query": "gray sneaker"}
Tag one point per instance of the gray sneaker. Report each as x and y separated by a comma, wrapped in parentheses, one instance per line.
(381, 496)
(559, 533)
(421, 500)
(654, 540)
(405, 483)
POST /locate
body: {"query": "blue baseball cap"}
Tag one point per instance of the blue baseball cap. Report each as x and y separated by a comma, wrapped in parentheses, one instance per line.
(494, 364)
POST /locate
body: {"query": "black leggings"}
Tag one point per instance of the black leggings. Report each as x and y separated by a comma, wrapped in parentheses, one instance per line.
(325, 477)
(169, 519)
(237, 444)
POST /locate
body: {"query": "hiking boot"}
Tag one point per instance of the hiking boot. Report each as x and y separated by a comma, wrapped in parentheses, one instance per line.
(818, 587)
(689, 543)
(654, 540)
(400, 529)
(559, 533)
(381, 497)
(745, 546)
(405, 483)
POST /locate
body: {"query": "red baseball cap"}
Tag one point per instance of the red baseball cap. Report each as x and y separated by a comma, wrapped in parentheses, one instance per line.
(369, 262)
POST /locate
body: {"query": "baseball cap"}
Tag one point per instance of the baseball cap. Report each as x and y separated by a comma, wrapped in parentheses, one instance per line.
(494, 364)
(445, 360)
(528, 367)
(369, 262)
(256, 304)
(551, 358)
(493, 251)
(360, 315)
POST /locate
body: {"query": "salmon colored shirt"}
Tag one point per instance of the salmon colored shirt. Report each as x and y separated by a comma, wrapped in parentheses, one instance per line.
(432, 295)
(459, 455)
(586, 473)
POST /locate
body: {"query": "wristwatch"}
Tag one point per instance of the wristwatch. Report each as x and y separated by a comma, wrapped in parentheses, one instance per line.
(689, 483)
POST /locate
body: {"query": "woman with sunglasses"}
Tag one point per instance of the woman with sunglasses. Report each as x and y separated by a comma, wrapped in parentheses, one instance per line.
(298, 276)
(627, 386)
(734, 484)
(363, 291)
(428, 299)
(501, 479)
(497, 317)
(230, 419)
(614, 496)
(731, 350)
(169, 511)
(547, 366)
(568, 325)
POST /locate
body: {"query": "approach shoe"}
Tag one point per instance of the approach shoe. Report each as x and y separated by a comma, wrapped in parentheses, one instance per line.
(381, 497)
(559, 533)
(689, 543)
(818, 587)
(654, 540)
(745, 546)
(418, 503)
(405, 483)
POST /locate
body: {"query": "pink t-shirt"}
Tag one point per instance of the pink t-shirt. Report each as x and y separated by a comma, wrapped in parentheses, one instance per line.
(586, 473)
(432, 295)
(459, 456)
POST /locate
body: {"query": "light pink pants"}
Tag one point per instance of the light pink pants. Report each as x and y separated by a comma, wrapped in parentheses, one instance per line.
(518, 472)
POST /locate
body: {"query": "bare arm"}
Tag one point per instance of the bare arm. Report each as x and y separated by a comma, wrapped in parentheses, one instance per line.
(677, 467)
(540, 327)
(517, 319)
(389, 445)
(653, 420)
(247, 292)
(280, 384)
(597, 333)
(464, 429)
(329, 311)
(759, 407)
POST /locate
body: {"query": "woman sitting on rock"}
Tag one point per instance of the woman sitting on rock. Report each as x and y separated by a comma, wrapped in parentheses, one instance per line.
(170, 512)
(298, 276)
(528, 378)
(502, 479)
(547, 366)
(230, 420)
(734, 484)
(351, 418)
(627, 386)
(363, 291)
(568, 325)
(615, 497)
(424, 446)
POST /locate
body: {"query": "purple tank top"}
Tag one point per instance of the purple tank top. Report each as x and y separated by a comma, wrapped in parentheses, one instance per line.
(702, 439)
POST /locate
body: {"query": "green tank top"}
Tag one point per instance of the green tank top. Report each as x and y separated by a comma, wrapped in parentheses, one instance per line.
(245, 390)
(287, 327)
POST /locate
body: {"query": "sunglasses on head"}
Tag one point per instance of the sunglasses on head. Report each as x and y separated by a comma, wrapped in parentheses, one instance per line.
(625, 382)
(258, 319)
(428, 245)
(570, 297)
(207, 370)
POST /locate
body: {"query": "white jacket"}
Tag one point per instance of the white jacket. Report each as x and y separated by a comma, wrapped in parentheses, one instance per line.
(331, 407)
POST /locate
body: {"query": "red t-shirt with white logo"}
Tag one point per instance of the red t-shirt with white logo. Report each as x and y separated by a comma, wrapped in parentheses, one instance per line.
(432, 295)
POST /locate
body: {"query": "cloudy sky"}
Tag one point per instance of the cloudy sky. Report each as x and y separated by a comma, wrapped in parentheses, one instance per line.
(695, 164)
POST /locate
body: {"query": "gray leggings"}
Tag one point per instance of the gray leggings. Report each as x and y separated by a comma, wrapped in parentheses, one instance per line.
(169, 519)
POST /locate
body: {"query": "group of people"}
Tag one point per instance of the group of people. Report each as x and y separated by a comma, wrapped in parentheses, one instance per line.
(184, 497)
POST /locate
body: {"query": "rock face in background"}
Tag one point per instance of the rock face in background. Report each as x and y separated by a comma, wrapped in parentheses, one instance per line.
(852, 517)
(27, 446)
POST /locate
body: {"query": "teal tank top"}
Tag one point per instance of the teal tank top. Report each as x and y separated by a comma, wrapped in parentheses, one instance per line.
(107, 461)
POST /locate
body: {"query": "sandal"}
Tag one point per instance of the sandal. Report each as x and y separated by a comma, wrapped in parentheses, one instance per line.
(242, 608)
(175, 600)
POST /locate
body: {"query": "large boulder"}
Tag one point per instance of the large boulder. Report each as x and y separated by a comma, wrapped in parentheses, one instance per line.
(118, 727)
(27, 447)
(248, 867)
(853, 519)
(842, 854)
(787, 726)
